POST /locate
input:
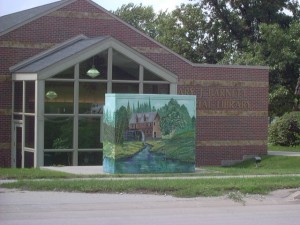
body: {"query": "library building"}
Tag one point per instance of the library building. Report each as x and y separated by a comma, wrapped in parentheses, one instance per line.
(62, 61)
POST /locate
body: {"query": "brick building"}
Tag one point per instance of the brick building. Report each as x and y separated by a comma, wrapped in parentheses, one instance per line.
(49, 104)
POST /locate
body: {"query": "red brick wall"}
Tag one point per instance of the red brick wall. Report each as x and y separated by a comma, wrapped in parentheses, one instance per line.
(243, 132)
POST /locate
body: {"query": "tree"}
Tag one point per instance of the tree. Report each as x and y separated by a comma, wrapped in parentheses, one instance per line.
(121, 124)
(174, 117)
(139, 16)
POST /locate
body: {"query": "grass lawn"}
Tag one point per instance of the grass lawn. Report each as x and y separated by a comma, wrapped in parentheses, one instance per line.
(283, 148)
(280, 166)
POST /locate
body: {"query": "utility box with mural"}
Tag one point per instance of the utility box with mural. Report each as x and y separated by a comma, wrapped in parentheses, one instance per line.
(149, 133)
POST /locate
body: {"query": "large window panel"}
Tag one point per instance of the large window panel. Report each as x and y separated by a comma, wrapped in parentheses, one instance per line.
(58, 158)
(156, 88)
(18, 96)
(29, 96)
(66, 74)
(125, 88)
(124, 68)
(150, 76)
(89, 133)
(98, 62)
(59, 97)
(90, 158)
(58, 132)
(91, 97)
(29, 131)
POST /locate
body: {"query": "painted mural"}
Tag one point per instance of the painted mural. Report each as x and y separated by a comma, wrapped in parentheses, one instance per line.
(147, 133)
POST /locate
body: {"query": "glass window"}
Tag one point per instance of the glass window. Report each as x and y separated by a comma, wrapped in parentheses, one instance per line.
(29, 131)
(89, 132)
(28, 159)
(18, 98)
(66, 74)
(98, 62)
(58, 132)
(156, 89)
(90, 158)
(150, 76)
(125, 88)
(58, 158)
(59, 97)
(91, 97)
(29, 96)
(124, 68)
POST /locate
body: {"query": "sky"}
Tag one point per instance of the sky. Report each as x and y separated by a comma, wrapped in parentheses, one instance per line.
(11, 6)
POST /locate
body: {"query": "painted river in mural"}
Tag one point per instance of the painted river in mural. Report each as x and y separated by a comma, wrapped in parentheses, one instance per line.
(148, 162)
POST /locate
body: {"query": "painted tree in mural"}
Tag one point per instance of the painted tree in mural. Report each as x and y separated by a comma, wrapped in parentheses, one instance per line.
(121, 124)
(173, 117)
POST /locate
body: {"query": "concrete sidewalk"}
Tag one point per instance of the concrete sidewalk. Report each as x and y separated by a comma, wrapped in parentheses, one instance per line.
(282, 153)
(96, 170)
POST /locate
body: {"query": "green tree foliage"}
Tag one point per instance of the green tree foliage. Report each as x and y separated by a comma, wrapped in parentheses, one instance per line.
(187, 31)
(245, 32)
(173, 117)
(139, 16)
(121, 124)
(285, 131)
(281, 101)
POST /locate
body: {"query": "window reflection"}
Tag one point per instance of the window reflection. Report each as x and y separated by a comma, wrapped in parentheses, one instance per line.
(58, 158)
(100, 63)
(63, 102)
(58, 133)
(29, 131)
(29, 96)
(18, 97)
(124, 68)
(156, 88)
(91, 97)
(125, 88)
(90, 158)
(66, 74)
(89, 133)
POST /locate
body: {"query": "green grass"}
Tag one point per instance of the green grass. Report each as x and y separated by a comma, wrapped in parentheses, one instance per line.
(11, 173)
(283, 148)
(278, 166)
(269, 165)
(175, 187)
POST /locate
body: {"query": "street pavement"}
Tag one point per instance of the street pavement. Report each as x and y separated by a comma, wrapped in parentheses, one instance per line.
(59, 208)
(19, 207)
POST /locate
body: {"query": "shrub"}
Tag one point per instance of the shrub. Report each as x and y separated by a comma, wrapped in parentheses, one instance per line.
(285, 131)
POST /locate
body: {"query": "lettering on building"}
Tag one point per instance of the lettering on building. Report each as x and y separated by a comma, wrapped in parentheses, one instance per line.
(218, 97)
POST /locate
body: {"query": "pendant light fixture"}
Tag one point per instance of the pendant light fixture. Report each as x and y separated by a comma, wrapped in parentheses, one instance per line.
(51, 95)
(93, 72)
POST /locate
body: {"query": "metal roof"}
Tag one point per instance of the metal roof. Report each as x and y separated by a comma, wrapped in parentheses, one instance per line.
(56, 54)
(13, 20)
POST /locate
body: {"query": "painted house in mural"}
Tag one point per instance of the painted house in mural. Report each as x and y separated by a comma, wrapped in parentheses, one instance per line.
(57, 62)
(148, 123)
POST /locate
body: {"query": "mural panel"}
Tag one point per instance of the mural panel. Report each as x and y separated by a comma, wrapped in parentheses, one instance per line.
(147, 133)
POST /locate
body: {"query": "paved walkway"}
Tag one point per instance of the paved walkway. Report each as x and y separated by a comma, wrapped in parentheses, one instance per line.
(96, 170)
(282, 153)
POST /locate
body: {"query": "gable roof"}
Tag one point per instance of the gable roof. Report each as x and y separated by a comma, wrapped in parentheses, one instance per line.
(147, 117)
(18, 19)
(56, 54)
(76, 50)
(15, 20)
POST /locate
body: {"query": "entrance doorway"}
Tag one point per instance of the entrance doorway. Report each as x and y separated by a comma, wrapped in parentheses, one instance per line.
(17, 153)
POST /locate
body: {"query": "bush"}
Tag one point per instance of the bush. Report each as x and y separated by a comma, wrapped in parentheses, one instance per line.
(285, 131)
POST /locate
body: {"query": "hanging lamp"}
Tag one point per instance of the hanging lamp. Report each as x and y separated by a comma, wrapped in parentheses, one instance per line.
(93, 72)
(51, 95)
